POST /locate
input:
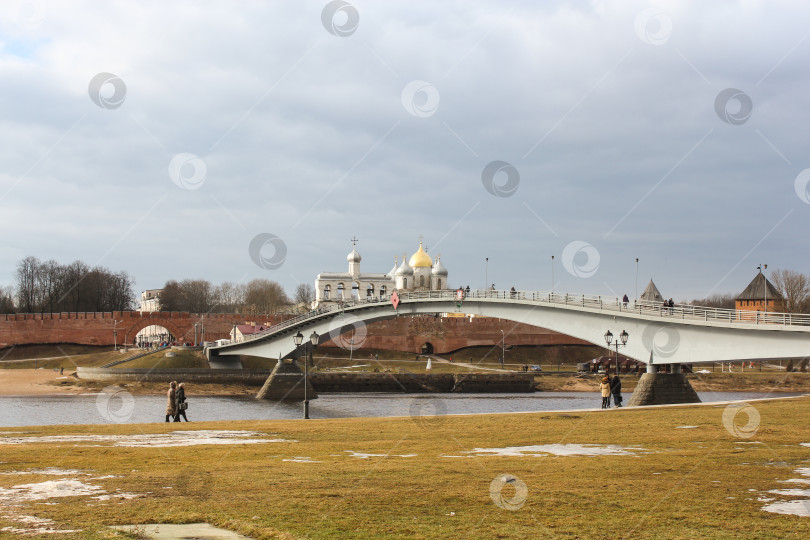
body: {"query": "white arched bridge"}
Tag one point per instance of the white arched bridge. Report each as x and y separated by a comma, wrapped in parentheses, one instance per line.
(683, 334)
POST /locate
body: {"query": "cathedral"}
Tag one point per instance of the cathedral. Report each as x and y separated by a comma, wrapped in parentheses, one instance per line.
(419, 273)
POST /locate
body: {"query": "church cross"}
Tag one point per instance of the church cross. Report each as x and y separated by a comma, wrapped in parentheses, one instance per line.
(354, 240)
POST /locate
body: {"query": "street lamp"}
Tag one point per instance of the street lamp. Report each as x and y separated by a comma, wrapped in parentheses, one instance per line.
(636, 282)
(552, 274)
(762, 267)
(623, 337)
(313, 340)
(486, 273)
(115, 334)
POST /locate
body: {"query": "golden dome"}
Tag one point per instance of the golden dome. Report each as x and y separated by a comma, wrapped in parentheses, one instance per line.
(420, 259)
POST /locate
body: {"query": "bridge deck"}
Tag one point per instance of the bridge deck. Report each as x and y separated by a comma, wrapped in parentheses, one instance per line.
(682, 312)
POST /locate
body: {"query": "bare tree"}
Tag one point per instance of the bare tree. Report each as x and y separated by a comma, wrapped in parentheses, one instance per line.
(265, 296)
(27, 269)
(7, 300)
(722, 301)
(795, 289)
(52, 287)
(230, 297)
(198, 295)
(304, 294)
(171, 299)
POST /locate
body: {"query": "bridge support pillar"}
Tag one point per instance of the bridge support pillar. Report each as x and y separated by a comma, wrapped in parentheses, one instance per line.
(286, 383)
(652, 368)
(663, 388)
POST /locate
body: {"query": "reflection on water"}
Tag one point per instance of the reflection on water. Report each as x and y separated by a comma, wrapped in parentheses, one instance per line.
(122, 407)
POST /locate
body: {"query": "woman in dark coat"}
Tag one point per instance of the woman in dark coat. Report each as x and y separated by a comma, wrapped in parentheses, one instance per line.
(171, 403)
(181, 398)
(616, 390)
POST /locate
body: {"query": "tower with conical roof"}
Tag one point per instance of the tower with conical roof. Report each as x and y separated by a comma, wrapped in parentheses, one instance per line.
(760, 295)
(651, 294)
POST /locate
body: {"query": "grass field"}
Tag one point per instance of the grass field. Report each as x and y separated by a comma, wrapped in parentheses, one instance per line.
(420, 477)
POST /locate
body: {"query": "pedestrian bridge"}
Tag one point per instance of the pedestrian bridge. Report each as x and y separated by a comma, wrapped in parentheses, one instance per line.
(682, 334)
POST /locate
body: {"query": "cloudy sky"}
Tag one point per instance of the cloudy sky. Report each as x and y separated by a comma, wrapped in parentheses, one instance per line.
(230, 141)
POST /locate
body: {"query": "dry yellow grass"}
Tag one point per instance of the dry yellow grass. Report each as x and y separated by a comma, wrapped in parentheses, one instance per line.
(701, 482)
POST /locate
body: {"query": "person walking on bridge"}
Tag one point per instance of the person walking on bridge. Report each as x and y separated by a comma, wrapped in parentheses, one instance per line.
(604, 387)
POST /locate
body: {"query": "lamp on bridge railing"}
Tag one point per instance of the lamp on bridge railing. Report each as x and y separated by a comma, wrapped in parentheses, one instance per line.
(313, 340)
(623, 337)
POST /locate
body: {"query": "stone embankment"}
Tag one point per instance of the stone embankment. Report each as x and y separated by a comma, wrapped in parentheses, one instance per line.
(328, 382)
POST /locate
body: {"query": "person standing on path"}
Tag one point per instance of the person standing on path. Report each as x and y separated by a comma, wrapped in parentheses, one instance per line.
(616, 390)
(604, 386)
(181, 402)
(171, 404)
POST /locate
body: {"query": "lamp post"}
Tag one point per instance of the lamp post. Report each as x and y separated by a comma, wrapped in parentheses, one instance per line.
(762, 267)
(552, 274)
(313, 340)
(623, 337)
(636, 302)
(195, 333)
(486, 272)
(115, 334)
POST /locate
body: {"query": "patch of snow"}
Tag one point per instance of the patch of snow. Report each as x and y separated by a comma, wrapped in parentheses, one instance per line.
(35, 525)
(796, 507)
(47, 490)
(157, 440)
(796, 481)
(800, 507)
(685, 427)
(52, 471)
(791, 492)
(106, 477)
(559, 450)
(363, 455)
(302, 459)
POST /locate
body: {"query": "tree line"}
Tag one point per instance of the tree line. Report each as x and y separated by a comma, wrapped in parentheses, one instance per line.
(259, 296)
(50, 287)
(793, 286)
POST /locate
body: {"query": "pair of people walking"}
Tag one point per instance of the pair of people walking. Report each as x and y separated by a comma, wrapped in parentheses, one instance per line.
(611, 386)
(176, 402)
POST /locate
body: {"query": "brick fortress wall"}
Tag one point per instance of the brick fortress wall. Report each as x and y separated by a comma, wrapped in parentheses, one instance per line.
(97, 328)
(407, 334)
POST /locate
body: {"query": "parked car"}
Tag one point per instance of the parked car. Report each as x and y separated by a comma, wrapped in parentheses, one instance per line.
(535, 368)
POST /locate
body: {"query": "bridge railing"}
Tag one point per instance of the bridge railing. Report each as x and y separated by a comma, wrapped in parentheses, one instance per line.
(605, 303)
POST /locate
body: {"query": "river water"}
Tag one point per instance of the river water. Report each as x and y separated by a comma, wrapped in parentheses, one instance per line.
(119, 406)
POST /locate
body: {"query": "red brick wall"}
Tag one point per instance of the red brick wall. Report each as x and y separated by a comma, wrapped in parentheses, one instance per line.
(97, 328)
(402, 334)
(453, 333)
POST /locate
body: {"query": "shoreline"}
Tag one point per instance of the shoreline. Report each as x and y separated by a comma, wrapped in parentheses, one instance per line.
(45, 381)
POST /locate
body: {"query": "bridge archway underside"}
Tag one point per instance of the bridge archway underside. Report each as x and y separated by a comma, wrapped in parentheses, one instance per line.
(668, 338)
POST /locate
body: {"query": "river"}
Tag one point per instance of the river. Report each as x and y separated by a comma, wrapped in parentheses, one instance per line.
(122, 407)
